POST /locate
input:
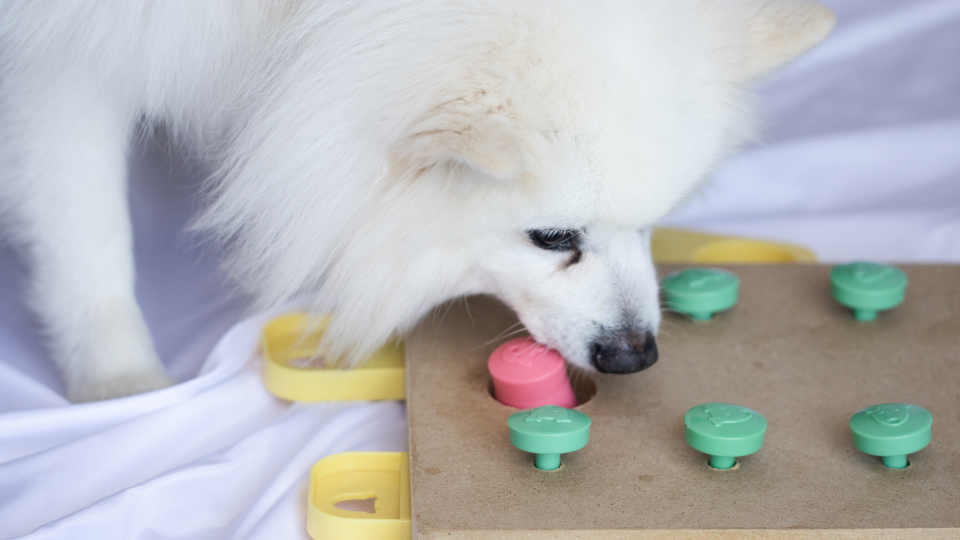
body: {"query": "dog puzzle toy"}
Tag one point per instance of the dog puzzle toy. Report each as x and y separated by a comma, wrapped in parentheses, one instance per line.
(786, 350)
(294, 368)
(700, 292)
(527, 374)
(549, 431)
(724, 431)
(891, 431)
(868, 287)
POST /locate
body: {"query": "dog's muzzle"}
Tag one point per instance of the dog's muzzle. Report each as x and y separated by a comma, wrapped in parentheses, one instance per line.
(624, 352)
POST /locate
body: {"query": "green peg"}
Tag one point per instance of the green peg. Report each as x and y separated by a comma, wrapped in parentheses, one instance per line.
(868, 287)
(724, 431)
(549, 431)
(891, 431)
(700, 292)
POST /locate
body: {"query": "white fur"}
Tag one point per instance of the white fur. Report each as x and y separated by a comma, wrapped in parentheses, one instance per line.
(383, 156)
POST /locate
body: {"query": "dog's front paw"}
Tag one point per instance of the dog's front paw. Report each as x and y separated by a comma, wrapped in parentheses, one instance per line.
(124, 384)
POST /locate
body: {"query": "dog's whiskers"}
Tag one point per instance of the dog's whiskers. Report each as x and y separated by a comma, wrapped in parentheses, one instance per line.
(510, 331)
(439, 317)
(466, 306)
(672, 325)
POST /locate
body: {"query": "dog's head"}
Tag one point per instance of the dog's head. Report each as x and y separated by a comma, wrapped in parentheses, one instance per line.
(535, 160)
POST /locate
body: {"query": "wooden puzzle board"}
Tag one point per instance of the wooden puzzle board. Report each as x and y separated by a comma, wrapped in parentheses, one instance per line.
(786, 350)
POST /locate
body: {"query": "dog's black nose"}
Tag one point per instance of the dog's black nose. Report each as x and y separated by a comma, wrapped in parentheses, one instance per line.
(624, 352)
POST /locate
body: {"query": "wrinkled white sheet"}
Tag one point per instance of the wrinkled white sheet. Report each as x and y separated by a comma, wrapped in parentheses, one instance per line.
(861, 159)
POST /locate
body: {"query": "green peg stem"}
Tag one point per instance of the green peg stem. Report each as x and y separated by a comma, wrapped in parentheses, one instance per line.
(865, 315)
(722, 462)
(547, 462)
(701, 316)
(895, 462)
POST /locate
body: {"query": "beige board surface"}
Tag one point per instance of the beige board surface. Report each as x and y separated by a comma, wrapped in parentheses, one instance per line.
(786, 350)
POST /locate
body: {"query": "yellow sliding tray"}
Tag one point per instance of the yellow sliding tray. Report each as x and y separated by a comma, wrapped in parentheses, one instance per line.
(679, 246)
(357, 476)
(293, 367)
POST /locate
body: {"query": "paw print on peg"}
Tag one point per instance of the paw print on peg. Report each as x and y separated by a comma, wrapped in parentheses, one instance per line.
(867, 287)
(549, 431)
(891, 431)
(700, 292)
(724, 431)
(527, 374)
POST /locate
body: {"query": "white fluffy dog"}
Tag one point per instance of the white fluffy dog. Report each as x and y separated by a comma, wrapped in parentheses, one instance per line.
(382, 155)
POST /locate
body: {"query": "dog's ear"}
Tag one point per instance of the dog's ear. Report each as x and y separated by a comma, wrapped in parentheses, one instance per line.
(780, 30)
(467, 135)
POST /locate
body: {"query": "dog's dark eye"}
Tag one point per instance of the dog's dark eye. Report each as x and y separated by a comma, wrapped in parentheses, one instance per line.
(554, 239)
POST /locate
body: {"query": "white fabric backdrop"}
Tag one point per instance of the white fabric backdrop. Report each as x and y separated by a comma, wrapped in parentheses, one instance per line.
(861, 159)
